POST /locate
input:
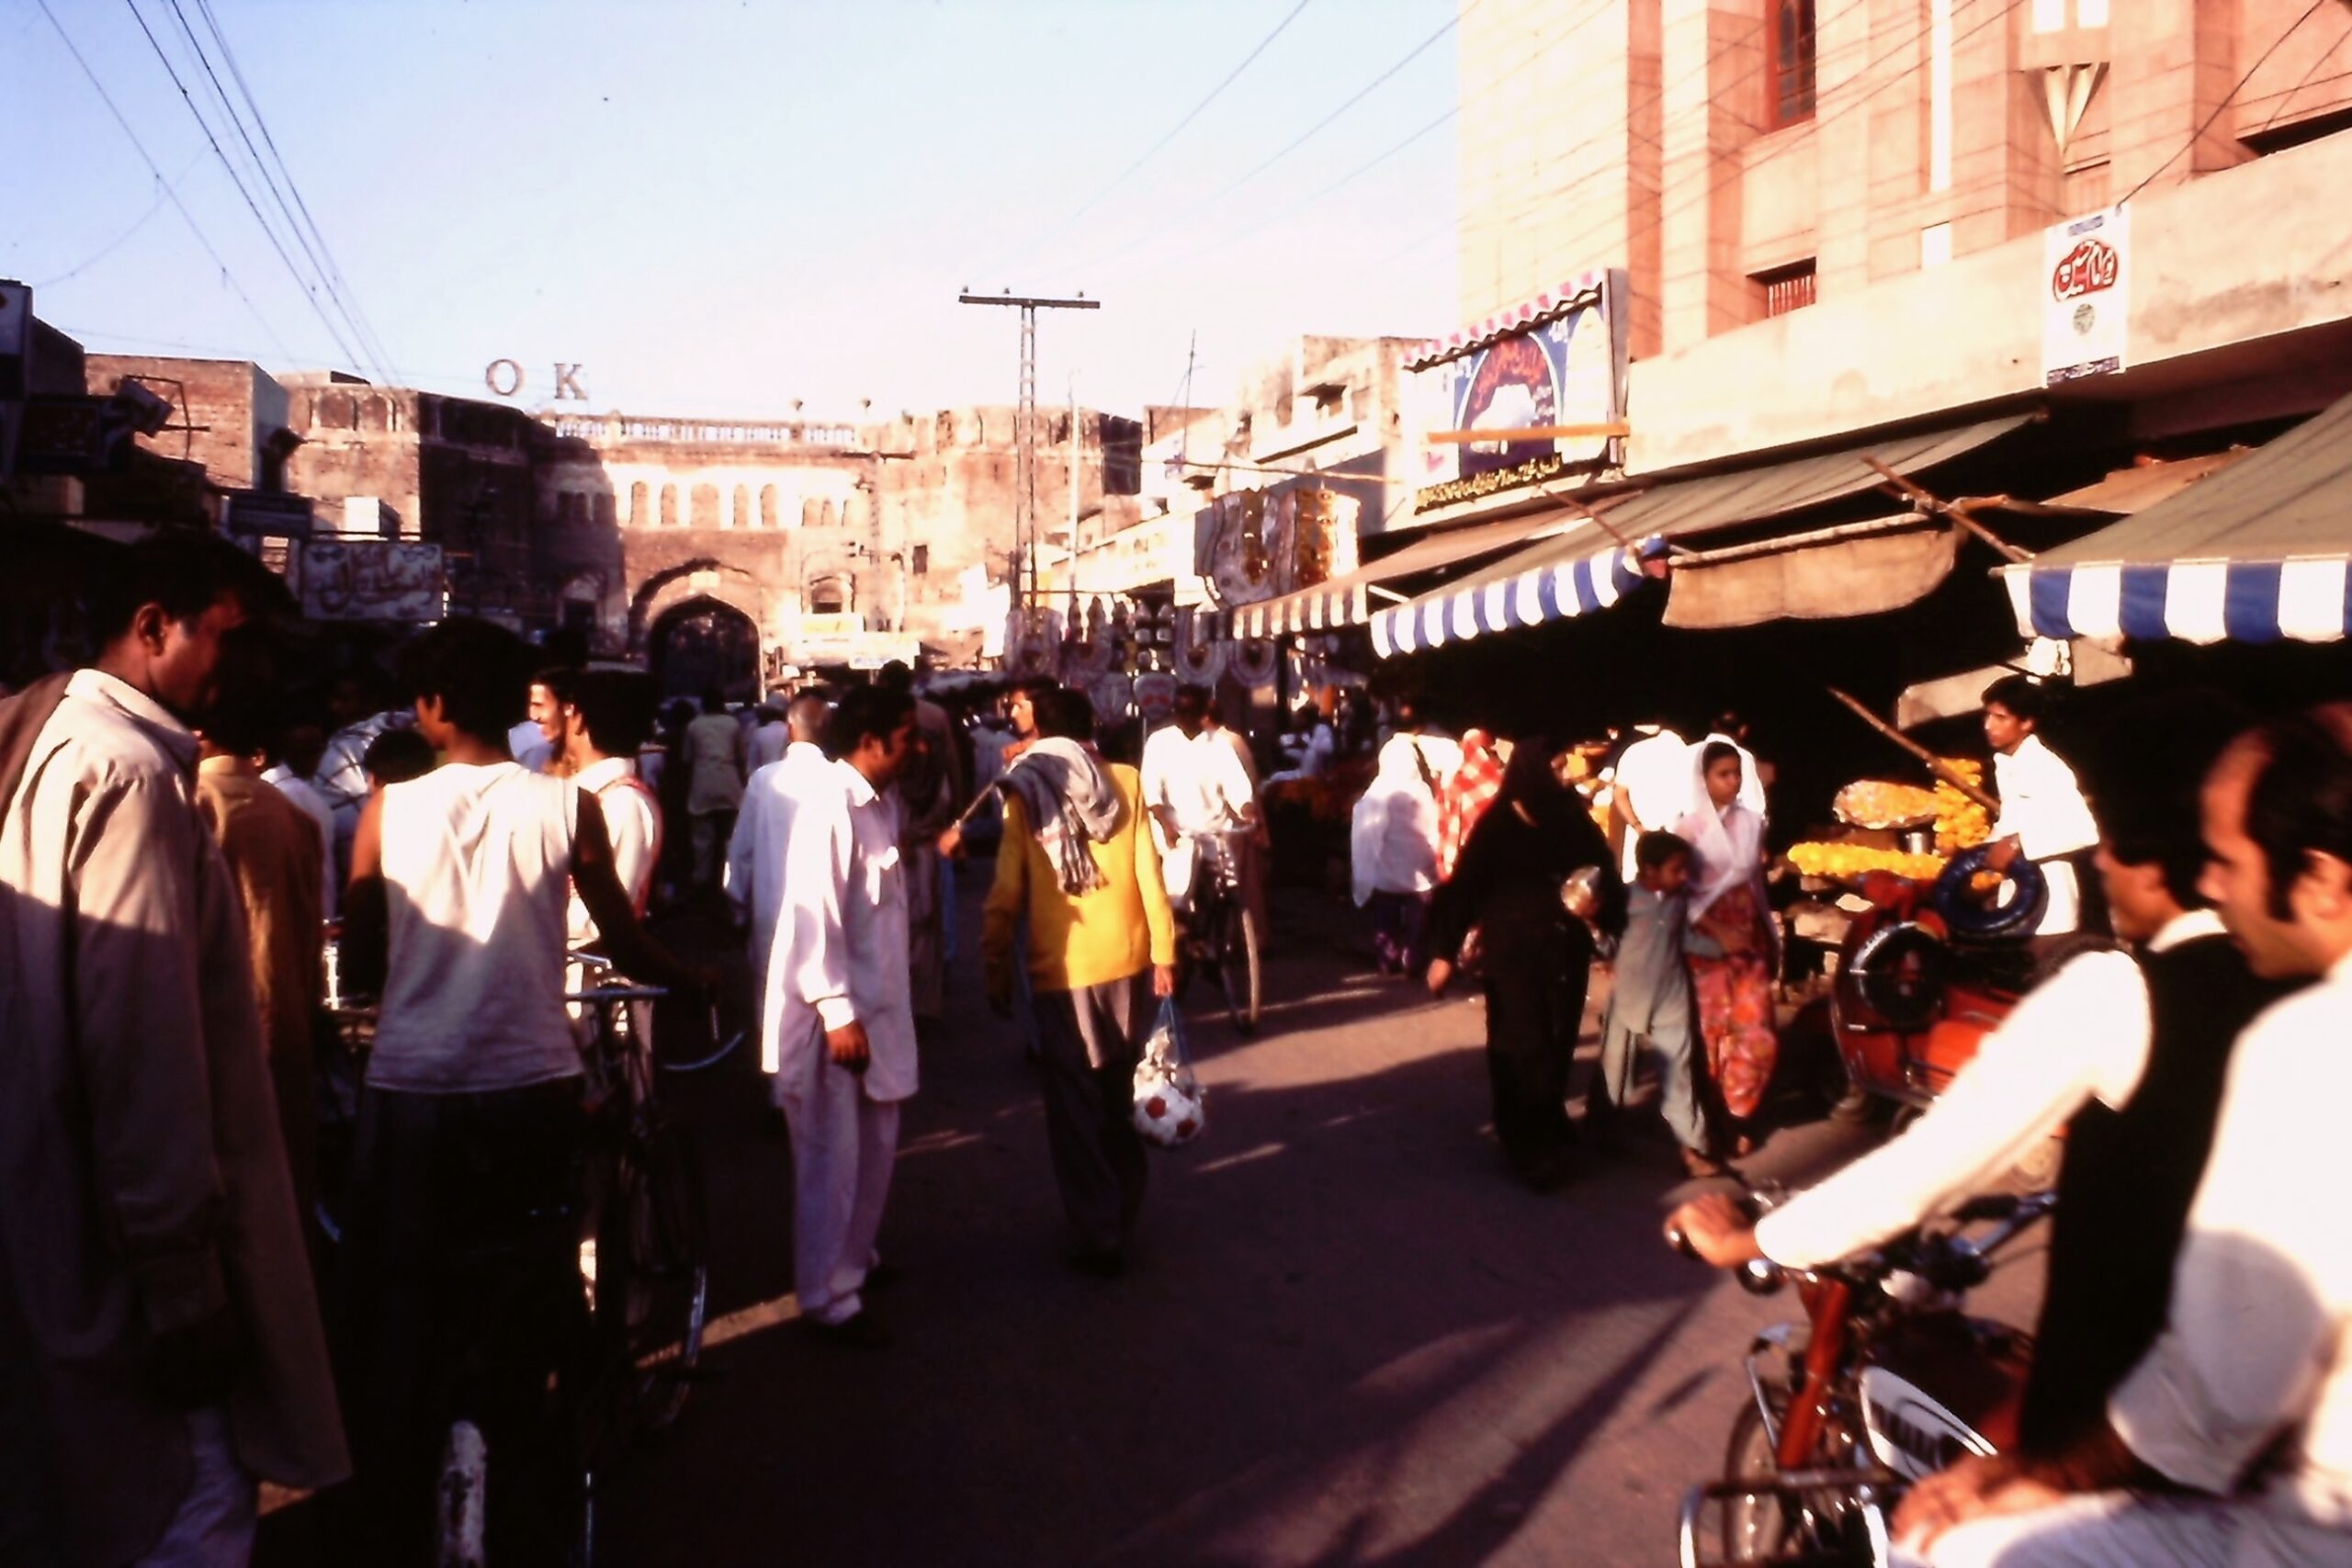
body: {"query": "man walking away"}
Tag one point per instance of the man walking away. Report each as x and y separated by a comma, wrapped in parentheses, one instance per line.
(716, 760)
(930, 794)
(606, 720)
(273, 854)
(464, 1230)
(293, 757)
(764, 827)
(1078, 861)
(160, 1344)
(837, 1029)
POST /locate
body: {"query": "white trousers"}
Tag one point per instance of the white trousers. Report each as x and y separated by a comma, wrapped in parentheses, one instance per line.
(844, 1146)
(2117, 1529)
(218, 1518)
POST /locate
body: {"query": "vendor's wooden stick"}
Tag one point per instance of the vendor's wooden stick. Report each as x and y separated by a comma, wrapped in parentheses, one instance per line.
(1936, 764)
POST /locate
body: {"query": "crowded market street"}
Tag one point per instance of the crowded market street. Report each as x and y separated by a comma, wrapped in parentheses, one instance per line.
(1344, 1339)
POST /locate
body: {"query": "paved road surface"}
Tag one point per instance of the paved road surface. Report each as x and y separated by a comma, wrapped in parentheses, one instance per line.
(1346, 1338)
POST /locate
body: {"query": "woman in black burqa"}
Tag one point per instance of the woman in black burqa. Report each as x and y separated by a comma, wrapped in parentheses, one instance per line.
(1537, 955)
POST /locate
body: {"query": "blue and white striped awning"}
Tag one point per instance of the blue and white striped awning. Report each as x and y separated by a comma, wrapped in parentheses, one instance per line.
(1575, 583)
(2255, 552)
(2193, 601)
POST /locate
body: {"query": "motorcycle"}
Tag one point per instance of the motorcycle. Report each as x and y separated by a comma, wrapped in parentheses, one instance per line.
(1926, 973)
(1887, 1381)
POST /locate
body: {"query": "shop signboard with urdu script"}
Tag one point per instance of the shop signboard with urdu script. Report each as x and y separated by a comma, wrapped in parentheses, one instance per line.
(372, 580)
(2086, 308)
(1555, 362)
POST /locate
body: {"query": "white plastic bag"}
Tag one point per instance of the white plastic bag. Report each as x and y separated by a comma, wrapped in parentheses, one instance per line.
(1171, 1107)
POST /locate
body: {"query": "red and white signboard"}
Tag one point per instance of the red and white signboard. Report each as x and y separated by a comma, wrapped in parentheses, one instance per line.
(2086, 281)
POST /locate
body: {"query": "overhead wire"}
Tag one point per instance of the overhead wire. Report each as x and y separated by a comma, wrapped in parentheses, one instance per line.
(269, 181)
(2212, 119)
(334, 269)
(1091, 203)
(95, 257)
(228, 273)
(277, 244)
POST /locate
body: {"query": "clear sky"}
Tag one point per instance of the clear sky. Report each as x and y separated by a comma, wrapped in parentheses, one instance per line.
(721, 207)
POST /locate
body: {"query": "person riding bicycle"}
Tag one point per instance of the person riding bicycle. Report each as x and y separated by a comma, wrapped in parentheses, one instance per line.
(1193, 783)
(463, 1223)
(2129, 1055)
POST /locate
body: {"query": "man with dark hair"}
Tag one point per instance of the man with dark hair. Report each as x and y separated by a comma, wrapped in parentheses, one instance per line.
(471, 1122)
(1077, 866)
(1193, 785)
(755, 852)
(717, 764)
(395, 757)
(2044, 818)
(837, 1028)
(2230, 1442)
(931, 794)
(2128, 1056)
(273, 852)
(160, 1344)
(606, 719)
(291, 756)
(539, 741)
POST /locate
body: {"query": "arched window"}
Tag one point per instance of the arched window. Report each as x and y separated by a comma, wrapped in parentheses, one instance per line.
(826, 597)
(669, 506)
(768, 506)
(808, 510)
(640, 514)
(739, 516)
(1792, 83)
(705, 506)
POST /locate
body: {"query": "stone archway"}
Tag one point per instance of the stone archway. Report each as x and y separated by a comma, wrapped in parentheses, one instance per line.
(701, 644)
(704, 577)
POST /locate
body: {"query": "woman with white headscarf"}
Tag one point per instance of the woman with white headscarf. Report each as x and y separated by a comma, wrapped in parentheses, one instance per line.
(1393, 845)
(1732, 947)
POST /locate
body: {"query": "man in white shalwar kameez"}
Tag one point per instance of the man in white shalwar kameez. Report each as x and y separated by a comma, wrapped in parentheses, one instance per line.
(838, 1028)
(2044, 818)
(755, 850)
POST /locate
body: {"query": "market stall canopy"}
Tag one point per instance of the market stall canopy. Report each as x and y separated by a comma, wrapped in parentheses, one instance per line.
(2126, 492)
(1598, 556)
(2256, 552)
(1346, 600)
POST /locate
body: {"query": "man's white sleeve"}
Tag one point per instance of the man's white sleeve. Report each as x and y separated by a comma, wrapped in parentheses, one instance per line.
(811, 934)
(2082, 1035)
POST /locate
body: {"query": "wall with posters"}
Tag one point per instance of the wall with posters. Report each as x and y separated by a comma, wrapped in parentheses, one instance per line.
(372, 580)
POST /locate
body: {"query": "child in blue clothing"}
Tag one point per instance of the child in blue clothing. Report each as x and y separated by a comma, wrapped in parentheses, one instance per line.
(1650, 1005)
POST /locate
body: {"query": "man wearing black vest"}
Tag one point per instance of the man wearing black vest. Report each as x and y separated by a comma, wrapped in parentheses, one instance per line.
(2128, 1056)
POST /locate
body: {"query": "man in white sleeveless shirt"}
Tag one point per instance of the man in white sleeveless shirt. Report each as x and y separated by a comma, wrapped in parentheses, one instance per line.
(470, 1125)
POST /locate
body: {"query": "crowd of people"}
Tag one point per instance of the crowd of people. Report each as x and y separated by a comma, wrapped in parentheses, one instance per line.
(177, 841)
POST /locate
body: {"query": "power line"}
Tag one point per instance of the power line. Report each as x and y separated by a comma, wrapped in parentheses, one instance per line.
(227, 274)
(1159, 146)
(115, 244)
(2198, 135)
(344, 293)
(296, 273)
(1305, 137)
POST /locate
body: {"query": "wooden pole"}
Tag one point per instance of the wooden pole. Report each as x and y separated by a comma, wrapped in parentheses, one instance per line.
(1959, 514)
(1936, 764)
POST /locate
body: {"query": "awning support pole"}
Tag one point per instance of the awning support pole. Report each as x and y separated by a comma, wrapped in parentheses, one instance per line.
(1958, 514)
(1936, 764)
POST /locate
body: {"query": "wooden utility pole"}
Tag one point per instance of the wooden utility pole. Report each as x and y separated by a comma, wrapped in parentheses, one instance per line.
(1025, 482)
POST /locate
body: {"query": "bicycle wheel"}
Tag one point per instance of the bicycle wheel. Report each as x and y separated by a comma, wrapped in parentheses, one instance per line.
(1236, 968)
(658, 1280)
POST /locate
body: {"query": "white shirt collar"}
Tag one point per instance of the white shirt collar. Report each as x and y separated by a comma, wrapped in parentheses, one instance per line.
(2186, 926)
(861, 792)
(596, 775)
(97, 686)
(807, 751)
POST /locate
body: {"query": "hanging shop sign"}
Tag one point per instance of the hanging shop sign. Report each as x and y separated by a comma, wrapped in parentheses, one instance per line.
(373, 579)
(1255, 544)
(2086, 307)
(1527, 396)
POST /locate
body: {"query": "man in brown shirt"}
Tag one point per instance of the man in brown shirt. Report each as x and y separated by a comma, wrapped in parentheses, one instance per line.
(273, 853)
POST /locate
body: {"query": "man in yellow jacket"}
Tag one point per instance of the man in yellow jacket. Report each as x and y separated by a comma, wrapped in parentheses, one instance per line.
(1078, 860)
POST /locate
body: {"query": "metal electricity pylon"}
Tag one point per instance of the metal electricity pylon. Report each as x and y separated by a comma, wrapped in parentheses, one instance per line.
(1025, 481)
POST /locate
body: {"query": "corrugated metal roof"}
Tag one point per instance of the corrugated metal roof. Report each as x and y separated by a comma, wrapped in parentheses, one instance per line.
(2290, 501)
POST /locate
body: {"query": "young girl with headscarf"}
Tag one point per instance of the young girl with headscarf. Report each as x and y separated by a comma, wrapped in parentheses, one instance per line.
(1733, 946)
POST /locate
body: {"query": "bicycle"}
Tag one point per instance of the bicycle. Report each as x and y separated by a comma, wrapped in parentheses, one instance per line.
(1221, 933)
